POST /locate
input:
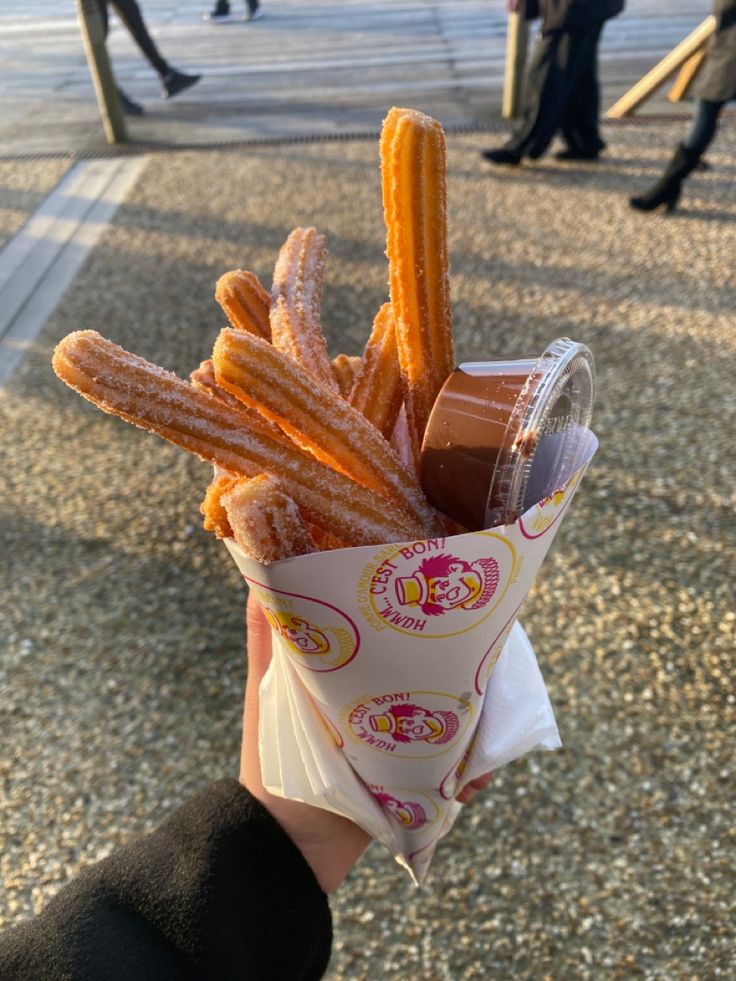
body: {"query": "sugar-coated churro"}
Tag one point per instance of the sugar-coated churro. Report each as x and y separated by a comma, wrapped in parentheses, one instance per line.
(265, 521)
(245, 302)
(400, 438)
(203, 378)
(157, 400)
(296, 299)
(212, 509)
(317, 419)
(377, 392)
(415, 207)
(323, 540)
(345, 369)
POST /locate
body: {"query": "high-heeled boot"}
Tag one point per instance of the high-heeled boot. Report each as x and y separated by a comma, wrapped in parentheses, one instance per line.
(667, 189)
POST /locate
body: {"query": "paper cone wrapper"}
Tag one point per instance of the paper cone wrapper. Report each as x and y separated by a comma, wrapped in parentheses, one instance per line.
(399, 673)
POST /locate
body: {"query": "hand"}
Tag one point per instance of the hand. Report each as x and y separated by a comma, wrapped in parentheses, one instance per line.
(470, 789)
(331, 844)
(512, 6)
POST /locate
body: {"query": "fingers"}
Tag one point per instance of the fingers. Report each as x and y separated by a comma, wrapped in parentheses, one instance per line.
(470, 789)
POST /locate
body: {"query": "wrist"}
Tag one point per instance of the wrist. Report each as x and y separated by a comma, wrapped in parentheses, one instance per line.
(330, 844)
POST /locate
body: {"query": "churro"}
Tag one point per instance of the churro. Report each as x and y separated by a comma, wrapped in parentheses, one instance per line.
(377, 393)
(159, 401)
(203, 378)
(212, 509)
(296, 299)
(245, 302)
(265, 521)
(345, 369)
(415, 207)
(317, 419)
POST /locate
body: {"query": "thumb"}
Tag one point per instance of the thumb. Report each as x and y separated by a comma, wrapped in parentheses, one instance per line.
(259, 658)
(259, 641)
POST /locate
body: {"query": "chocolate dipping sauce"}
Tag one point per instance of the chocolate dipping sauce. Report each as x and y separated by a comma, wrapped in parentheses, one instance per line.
(505, 434)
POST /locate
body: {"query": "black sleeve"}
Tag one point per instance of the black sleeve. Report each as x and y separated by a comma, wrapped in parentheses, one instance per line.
(218, 892)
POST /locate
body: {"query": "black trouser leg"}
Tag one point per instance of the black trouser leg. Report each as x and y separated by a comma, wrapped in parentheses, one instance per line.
(253, 5)
(580, 118)
(543, 86)
(102, 4)
(130, 14)
(560, 63)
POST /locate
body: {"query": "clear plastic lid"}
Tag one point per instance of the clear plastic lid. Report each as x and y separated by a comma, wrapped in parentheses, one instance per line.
(544, 441)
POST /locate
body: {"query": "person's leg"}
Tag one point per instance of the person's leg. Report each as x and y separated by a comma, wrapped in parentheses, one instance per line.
(666, 191)
(129, 106)
(172, 81)
(130, 14)
(579, 123)
(221, 11)
(541, 96)
(703, 126)
(102, 4)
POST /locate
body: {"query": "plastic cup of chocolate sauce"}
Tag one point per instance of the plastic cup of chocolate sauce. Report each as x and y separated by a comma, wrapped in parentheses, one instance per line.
(503, 435)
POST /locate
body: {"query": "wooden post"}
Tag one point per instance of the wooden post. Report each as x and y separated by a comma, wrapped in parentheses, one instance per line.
(108, 100)
(687, 75)
(517, 37)
(661, 72)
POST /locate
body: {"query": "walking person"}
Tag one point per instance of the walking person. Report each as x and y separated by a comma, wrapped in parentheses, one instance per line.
(221, 11)
(172, 81)
(561, 86)
(716, 87)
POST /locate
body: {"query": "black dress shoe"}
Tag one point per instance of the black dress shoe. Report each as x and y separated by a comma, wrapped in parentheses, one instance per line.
(130, 108)
(572, 153)
(174, 82)
(502, 156)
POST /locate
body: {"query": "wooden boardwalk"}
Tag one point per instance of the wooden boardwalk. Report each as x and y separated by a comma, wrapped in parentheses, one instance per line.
(321, 66)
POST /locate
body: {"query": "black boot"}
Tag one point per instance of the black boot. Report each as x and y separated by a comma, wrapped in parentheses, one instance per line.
(667, 189)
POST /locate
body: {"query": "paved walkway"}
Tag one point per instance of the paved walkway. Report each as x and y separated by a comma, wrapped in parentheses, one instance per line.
(38, 265)
(122, 652)
(122, 638)
(322, 66)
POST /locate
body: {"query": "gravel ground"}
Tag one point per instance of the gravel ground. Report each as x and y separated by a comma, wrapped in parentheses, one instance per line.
(23, 186)
(123, 665)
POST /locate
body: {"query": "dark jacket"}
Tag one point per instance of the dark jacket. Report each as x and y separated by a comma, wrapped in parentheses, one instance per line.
(218, 892)
(717, 82)
(572, 15)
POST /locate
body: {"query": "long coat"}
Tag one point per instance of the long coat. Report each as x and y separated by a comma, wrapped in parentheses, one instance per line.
(572, 15)
(718, 80)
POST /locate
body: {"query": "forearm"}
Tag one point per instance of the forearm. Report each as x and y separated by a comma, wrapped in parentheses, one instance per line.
(218, 891)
